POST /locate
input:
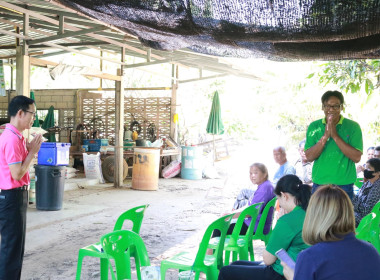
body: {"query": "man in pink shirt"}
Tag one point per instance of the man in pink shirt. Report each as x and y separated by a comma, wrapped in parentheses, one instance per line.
(16, 155)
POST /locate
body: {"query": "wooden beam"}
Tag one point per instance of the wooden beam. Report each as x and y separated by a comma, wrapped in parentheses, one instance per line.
(45, 63)
(66, 35)
(86, 44)
(204, 78)
(25, 29)
(73, 28)
(14, 55)
(83, 53)
(61, 25)
(148, 55)
(106, 76)
(148, 63)
(46, 33)
(10, 33)
(41, 62)
(50, 11)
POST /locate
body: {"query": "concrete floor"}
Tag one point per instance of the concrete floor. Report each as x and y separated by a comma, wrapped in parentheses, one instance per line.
(179, 212)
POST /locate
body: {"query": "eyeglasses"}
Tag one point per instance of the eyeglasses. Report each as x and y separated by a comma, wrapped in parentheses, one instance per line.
(334, 107)
(33, 113)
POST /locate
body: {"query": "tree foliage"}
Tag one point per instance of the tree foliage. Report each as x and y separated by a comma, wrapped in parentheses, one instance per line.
(352, 75)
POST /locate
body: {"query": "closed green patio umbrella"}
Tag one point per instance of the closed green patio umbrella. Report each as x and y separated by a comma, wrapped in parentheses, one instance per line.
(36, 122)
(215, 124)
(49, 122)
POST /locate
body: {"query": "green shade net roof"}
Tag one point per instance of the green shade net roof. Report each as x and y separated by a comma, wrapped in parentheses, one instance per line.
(36, 122)
(49, 122)
(274, 29)
(215, 123)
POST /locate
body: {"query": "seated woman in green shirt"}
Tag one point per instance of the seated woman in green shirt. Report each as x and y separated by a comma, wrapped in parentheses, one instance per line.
(293, 197)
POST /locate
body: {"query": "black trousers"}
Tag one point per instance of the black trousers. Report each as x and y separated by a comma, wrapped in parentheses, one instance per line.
(13, 204)
(246, 270)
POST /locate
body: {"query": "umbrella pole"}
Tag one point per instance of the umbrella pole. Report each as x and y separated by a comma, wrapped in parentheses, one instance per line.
(213, 145)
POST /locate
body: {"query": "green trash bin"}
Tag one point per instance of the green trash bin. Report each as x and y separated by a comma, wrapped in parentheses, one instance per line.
(50, 185)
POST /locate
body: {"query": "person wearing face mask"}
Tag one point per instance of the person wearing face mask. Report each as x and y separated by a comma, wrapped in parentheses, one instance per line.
(369, 193)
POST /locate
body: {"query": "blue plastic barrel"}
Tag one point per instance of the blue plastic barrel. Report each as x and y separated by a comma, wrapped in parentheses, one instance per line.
(192, 162)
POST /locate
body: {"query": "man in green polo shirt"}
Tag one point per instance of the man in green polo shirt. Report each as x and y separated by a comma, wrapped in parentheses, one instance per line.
(335, 144)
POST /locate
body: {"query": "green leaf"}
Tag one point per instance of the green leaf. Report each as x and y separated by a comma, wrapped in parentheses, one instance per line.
(369, 98)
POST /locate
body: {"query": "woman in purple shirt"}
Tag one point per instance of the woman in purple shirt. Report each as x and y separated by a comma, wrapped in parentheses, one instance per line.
(258, 173)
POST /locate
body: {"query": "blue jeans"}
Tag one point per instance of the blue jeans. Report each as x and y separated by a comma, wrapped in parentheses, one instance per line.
(349, 189)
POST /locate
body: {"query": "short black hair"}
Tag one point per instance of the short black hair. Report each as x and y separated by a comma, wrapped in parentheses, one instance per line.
(17, 103)
(375, 163)
(330, 93)
(370, 148)
(377, 148)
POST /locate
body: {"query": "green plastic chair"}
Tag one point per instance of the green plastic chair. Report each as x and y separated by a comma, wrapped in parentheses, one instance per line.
(208, 264)
(135, 215)
(236, 243)
(369, 227)
(259, 234)
(117, 246)
(376, 208)
(359, 182)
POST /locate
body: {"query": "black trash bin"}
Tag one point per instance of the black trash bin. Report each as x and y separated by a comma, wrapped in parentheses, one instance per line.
(50, 184)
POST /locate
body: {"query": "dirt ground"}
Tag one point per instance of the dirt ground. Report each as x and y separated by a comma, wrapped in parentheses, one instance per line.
(178, 214)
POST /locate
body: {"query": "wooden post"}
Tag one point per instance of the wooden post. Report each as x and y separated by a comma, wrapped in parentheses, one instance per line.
(22, 73)
(173, 109)
(23, 68)
(119, 126)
